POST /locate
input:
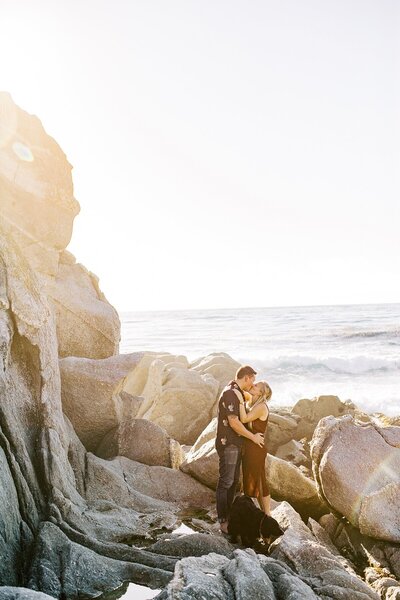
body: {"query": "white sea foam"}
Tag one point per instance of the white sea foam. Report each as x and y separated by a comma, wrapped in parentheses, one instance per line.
(350, 351)
(341, 365)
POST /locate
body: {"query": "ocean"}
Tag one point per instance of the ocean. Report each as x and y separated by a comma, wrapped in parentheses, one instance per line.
(351, 351)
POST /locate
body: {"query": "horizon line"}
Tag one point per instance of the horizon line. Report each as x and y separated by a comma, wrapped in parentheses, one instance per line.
(158, 310)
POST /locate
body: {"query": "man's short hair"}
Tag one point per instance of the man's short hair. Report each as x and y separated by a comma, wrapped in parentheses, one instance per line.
(245, 370)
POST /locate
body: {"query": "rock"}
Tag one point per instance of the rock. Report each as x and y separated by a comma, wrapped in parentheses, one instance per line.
(286, 583)
(136, 381)
(379, 560)
(29, 390)
(248, 575)
(37, 203)
(215, 577)
(281, 429)
(293, 452)
(90, 395)
(10, 519)
(20, 593)
(199, 577)
(287, 482)
(221, 366)
(385, 556)
(313, 562)
(209, 433)
(312, 411)
(385, 420)
(62, 568)
(201, 462)
(179, 400)
(38, 209)
(141, 441)
(386, 587)
(357, 470)
(196, 544)
(87, 325)
(323, 537)
(177, 453)
(153, 483)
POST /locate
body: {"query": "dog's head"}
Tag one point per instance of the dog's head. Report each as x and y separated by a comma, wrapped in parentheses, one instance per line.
(270, 530)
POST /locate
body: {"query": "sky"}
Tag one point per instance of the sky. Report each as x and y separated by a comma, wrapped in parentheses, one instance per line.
(225, 153)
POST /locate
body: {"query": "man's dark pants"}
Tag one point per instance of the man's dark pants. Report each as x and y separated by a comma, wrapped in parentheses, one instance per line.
(229, 472)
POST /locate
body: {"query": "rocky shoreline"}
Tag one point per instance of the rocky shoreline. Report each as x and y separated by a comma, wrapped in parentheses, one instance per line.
(103, 456)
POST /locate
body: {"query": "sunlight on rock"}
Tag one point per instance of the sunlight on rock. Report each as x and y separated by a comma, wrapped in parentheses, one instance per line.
(183, 530)
(8, 119)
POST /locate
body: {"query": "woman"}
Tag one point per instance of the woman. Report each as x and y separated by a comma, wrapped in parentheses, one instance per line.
(256, 413)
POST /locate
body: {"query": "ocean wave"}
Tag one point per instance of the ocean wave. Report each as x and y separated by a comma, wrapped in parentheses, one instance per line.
(356, 365)
(369, 333)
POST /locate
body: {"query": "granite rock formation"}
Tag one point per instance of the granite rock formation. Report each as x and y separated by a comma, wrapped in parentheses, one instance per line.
(37, 210)
(357, 470)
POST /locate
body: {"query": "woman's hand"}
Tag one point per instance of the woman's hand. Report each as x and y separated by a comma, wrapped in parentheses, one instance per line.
(247, 397)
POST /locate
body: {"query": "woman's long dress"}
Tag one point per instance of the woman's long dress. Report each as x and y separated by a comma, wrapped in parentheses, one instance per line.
(253, 463)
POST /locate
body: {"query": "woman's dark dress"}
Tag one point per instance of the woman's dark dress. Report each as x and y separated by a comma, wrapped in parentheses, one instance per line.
(253, 463)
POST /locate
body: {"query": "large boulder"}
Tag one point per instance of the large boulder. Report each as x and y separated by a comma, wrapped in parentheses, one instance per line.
(178, 399)
(135, 382)
(218, 364)
(142, 441)
(87, 325)
(37, 210)
(357, 470)
(152, 486)
(217, 577)
(312, 411)
(37, 202)
(282, 427)
(91, 395)
(287, 482)
(201, 462)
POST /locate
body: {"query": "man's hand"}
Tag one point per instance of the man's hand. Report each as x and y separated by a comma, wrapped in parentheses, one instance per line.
(258, 438)
(237, 426)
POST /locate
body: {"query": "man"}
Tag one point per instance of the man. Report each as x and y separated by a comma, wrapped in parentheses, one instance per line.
(230, 433)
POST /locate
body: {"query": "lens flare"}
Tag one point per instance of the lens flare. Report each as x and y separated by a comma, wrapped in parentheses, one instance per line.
(385, 473)
(22, 151)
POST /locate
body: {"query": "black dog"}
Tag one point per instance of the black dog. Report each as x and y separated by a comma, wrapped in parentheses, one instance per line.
(251, 523)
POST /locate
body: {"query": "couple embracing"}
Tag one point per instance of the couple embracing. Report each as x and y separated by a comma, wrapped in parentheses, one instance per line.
(242, 421)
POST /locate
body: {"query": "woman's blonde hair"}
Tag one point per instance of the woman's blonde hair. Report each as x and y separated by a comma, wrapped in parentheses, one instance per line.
(266, 391)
